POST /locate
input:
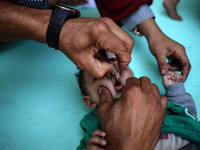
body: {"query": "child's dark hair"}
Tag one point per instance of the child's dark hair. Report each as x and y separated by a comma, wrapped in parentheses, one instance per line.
(81, 82)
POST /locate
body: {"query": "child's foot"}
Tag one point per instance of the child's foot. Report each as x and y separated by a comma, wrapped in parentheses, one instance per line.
(170, 6)
(171, 78)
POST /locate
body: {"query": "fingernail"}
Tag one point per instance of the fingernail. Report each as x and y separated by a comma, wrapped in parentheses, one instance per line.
(163, 71)
(104, 142)
(103, 134)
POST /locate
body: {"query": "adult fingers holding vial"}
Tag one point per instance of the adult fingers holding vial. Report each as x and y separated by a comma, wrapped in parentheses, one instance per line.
(91, 34)
(77, 37)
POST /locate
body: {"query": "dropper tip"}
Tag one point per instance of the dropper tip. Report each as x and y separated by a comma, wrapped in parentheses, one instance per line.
(117, 76)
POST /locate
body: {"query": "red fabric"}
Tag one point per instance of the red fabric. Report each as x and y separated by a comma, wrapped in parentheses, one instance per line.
(13, 1)
(119, 9)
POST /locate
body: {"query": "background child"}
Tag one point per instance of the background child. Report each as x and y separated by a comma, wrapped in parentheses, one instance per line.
(91, 88)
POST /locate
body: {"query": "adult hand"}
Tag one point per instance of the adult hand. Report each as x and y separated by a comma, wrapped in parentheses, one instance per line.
(163, 47)
(134, 121)
(81, 38)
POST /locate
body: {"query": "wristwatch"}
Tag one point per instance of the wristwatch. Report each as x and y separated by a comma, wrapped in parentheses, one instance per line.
(59, 15)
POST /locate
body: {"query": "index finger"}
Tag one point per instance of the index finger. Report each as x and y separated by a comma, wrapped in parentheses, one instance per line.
(121, 45)
(123, 35)
(184, 62)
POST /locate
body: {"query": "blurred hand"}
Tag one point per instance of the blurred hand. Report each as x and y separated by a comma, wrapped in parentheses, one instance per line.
(134, 121)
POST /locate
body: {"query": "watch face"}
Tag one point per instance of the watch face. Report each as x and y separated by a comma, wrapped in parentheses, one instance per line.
(76, 12)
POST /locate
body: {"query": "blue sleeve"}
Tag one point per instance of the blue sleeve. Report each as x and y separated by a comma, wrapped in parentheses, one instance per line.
(137, 17)
(176, 93)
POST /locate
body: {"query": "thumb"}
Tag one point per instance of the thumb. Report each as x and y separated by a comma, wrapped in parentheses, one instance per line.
(162, 64)
(105, 100)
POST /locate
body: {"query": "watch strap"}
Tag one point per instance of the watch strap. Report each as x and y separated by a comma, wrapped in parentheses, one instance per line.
(59, 16)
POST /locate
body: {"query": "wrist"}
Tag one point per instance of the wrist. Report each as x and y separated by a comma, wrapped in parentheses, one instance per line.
(150, 29)
(41, 26)
(60, 14)
(119, 146)
(123, 143)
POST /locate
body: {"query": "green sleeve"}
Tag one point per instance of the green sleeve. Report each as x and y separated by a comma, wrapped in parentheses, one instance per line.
(89, 124)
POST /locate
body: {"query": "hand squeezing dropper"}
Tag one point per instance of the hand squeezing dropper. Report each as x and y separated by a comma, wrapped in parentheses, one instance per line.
(113, 60)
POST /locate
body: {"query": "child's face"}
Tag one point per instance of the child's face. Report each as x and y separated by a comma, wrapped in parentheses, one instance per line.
(93, 86)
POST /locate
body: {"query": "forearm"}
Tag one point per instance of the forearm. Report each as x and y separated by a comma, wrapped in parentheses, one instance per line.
(19, 23)
(150, 29)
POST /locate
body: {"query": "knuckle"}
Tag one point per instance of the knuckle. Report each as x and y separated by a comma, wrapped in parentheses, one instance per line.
(154, 86)
(144, 78)
(129, 59)
(98, 28)
(107, 20)
(82, 63)
(182, 47)
(130, 44)
(133, 90)
(97, 132)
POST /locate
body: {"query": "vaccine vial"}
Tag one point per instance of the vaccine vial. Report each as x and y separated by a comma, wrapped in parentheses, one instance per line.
(113, 60)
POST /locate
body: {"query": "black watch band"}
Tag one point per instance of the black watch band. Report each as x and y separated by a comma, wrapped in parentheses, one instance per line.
(59, 15)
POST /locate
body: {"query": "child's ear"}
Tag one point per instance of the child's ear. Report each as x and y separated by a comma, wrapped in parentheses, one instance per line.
(88, 101)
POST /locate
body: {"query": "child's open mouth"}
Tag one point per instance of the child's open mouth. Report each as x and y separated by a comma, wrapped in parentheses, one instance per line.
(117, 84)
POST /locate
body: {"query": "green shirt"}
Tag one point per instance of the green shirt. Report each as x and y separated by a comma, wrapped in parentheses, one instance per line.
(178, 120)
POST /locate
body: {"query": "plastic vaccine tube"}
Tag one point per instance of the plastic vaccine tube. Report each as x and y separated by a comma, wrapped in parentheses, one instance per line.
(113, 60)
